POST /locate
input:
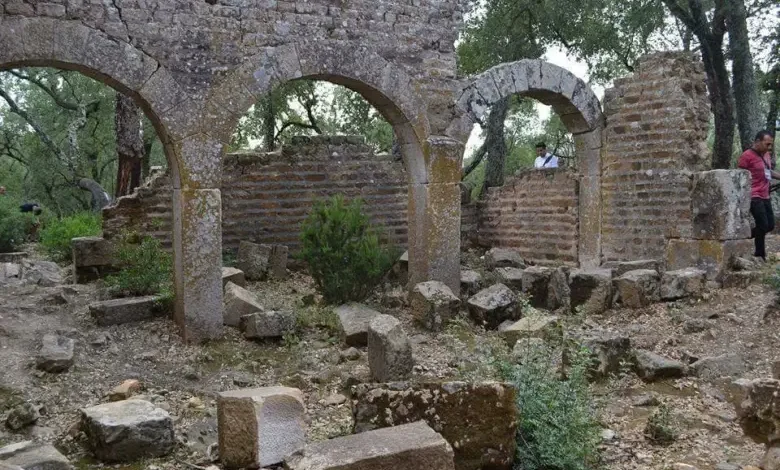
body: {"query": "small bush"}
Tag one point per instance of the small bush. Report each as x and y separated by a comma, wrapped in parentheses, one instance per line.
(558, 427)
(343, 251)
(14, 225)
(660, 428)
(145, 269)
(57, 233)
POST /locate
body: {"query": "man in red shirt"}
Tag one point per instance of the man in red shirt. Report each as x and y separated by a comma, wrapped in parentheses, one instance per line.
(757, 160)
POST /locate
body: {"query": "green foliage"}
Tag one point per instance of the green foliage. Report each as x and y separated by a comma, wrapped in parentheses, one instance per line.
(660, 427)
(145, 269)
(343, 251)
(14, 225)
(57, 233)
(558, 429)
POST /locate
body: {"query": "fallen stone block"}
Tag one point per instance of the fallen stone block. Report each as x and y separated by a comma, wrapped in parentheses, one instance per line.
(42, 273)
(9, 271)
(511, 277)
(14, 257)
(127, 430)
(504, 258)
(56, 354)
(125, 390)
(558, 291)
(409, 446)
(234, 275)
(93, 258)
(727, 365)
(29, 455)
(126, 310)
(401, 269)
(494, 305)
(591, 290)
(536, 285)
(757, 404)
(277, 262)
(354, 319)
(682, 283)
(260, 427)
(238, 303)
(253, 259)
(546, 327)
(434, 304)
(389, 350)
(720, 205)
(711, 256)
(470, 282)
(619, 268)
(478, 420)
(609, 351)
(739, 280)
(651, 366)
(273, 324)
(21, 416)
(636, 289)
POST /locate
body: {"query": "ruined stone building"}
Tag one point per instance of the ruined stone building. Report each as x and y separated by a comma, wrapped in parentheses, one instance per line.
(196, 66)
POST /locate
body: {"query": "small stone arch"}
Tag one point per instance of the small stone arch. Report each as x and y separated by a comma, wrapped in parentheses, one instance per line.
(70, 45)
(579, 109)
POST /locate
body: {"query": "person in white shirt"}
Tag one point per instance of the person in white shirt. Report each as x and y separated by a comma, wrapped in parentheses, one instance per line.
(544, 159)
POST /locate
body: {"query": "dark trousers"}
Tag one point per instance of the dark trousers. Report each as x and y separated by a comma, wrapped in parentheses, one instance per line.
(761, 210)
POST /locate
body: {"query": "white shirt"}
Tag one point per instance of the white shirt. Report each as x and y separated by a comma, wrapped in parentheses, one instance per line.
(539, 162)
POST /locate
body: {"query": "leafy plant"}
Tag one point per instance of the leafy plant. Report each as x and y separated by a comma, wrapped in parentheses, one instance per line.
(343, 251)
(57, 233)
(660, 428)
(145, 269)
(557, 428)
(14, 225)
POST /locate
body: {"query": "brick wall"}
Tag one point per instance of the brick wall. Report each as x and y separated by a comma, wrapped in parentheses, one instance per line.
(265, 196)
(536, 213)
(657, 124)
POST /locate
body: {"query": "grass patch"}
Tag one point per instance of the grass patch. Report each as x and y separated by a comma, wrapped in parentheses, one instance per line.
(57, 234)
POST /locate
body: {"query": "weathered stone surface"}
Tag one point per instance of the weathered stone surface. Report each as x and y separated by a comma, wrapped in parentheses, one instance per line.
(401, 269)
(408, 446)
(478, 420)
(591, 290)
(354, 319)
(434, 304)
(389, 350)
(609, 350)
(29, 455)
(43, 273)
(621, 267)
(494, 305)
(238, 303)
(757, 403)
(92, 257)
(559, 292)
(636, 289)
(15, 257)
(651, 366)
(254, 260)
(682, 283)
(126, 310)
(712, 256)
(504, 258)
(547, 327)
(125, 390)
(127, 430)
(277, 263)
(511, 277)
(536, 285)
(9, 271)
(22, 416)
(234, 275)
(739, 280)
(56, 354)
(726, 365)
(470, 282)
(720, 205)
(260, 427)
(273, 324)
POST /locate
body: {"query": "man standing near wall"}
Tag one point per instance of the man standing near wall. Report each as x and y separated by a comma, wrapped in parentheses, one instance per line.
(757, 160)
(544, 159)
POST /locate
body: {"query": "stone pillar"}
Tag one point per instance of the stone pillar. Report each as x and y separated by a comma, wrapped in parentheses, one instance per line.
(590, 146)
(434, 216)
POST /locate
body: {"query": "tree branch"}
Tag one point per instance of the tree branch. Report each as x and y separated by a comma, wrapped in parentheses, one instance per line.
(62, 103)
(479, 155)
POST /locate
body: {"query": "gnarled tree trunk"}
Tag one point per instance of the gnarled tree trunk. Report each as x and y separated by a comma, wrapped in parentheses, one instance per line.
(129, 145)
(495, 144)
(100, 197)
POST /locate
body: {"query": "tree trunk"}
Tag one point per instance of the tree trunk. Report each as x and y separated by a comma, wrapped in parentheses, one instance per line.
(129, 145)
(269, 123)
(100, 198)
(722, 103)
(747, 100)
(495, 144)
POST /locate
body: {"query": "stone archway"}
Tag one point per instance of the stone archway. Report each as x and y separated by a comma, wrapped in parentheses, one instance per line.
(579, 109)
(432, 163)
(70, 45)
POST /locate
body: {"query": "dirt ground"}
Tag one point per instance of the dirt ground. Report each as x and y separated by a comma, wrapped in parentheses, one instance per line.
(184, 379)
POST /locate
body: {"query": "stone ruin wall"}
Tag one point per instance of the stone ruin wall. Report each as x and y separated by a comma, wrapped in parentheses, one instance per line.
(535, 213)
(266, 196)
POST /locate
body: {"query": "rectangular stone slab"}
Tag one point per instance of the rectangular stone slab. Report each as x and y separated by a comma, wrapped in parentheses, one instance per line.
(406, 447)
(128, 310)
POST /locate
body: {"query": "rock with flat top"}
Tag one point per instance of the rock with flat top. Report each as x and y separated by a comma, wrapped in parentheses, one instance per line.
(504, 258)
(56, 354)
(127, 430)
(405, 447)
(494, 305)
(125, 390)
(389, 350)
(511, 277)
(273, 324)
(126, 310)
(22, 416)
(637, 289)
(591, 290)
(238, 303)
(434, 304)
(234, 275)
(42, 273)
(682, 283)
(546, 327)
(354, 319)
(726, 365)
(651, 366)
(253, 259)
(260, 427)
(29, 455)
(93, 257)
(619, 268)
(536, 284)
(470, 282)
(609, 350)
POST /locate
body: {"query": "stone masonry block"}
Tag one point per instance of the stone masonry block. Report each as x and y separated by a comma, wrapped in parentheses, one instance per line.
(260, 427)
(389, 350)
(591, 290)
(234, 275)
(720, 205)
(492, 306)
(91, 257)
(30, 455)
(682, 283)
(536, 283)
(434, 304)
(354, 319)
(239, 302)
(712, 256)
(636, 289)
(126, 310)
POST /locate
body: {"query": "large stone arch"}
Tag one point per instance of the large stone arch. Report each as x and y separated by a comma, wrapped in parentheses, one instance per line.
(579, 109)
(432, 163)
(71, 45)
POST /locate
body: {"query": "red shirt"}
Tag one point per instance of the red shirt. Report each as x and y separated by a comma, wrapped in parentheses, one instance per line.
(755, 164)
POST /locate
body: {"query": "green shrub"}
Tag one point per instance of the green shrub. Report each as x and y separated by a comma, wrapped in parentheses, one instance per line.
(343, 251)
(14, 225)
(558, 427)
(145, 269)
(57, 233)
(660, 427)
